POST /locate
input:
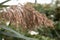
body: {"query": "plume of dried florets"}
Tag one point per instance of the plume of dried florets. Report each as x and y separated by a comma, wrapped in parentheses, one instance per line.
(26, 16)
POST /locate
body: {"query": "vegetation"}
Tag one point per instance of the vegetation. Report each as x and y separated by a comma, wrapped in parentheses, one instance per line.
(17, 21)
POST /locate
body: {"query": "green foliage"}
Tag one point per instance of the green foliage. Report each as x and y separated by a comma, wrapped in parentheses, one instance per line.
(39, 8)
(12, 33)
(57, 13)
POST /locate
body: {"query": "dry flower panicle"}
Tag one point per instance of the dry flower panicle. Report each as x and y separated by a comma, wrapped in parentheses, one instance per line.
(26, 16)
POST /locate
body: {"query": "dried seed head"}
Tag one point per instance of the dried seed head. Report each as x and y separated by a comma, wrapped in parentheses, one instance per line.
(26, 16)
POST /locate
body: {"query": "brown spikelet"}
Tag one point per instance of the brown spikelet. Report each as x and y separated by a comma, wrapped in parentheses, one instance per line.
(26, 16)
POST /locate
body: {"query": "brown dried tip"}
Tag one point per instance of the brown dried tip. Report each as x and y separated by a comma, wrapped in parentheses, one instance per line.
(26, 16)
